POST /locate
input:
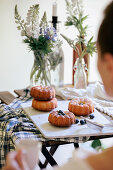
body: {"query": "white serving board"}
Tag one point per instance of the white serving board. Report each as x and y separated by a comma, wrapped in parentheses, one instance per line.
(40, 119)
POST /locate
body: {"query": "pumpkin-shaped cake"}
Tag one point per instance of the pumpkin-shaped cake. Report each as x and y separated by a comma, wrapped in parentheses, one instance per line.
(61, 118)
(44, 105)
(81, 106)
(43, 93)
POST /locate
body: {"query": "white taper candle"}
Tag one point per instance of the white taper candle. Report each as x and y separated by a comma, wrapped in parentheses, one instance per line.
(54, 9)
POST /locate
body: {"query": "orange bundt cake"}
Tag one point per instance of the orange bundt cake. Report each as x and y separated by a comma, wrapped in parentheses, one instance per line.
(42, 92)
(81, 106)
(44, 105)
(61, 119)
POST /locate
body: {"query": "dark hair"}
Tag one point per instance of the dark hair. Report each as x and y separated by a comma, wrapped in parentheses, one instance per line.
(105, 35)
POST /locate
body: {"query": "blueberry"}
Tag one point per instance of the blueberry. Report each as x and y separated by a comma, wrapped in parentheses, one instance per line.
(60, 112)
(91, 116)
(82, 122)
(76, 121)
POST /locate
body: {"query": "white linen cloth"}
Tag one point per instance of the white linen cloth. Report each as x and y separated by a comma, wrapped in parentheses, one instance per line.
(96, 92)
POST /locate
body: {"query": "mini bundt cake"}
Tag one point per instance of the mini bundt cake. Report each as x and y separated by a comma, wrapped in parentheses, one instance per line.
(81, 106)
(44, 105)
(61, 119)
(42, 93)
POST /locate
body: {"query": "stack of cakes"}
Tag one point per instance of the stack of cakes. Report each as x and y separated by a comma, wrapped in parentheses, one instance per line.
(43, 98)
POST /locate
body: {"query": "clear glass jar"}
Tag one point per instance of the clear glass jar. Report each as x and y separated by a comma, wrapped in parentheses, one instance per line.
(80, 78)
(40, 73)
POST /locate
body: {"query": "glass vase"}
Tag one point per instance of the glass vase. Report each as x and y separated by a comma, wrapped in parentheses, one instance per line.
(40, 72)
(80, 78)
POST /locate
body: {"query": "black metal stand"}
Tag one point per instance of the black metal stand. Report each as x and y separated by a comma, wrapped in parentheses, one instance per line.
(76, 145)
(48, 155)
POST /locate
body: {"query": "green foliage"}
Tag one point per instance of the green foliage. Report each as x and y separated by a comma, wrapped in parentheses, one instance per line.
(90, 48)
(41, 46)
(70, 42)
(97, 144)
(19, 21)
(43, 23)
(76, 18)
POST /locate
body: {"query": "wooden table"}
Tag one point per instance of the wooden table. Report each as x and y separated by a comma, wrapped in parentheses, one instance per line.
(6, 97)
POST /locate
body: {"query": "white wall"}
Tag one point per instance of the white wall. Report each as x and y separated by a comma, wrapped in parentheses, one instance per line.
(16, 61)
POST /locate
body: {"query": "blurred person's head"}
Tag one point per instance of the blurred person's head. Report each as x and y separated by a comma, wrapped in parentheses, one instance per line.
(105, 49)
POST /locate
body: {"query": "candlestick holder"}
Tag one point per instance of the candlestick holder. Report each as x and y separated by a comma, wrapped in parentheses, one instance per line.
(55, 23)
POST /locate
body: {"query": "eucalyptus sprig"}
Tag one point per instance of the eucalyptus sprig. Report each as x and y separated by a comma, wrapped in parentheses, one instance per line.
(76, 18)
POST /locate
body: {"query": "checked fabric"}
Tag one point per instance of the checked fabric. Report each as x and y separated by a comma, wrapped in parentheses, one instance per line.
(15, 125)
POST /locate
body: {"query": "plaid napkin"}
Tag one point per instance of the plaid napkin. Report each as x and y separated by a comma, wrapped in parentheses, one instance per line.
(15, 125)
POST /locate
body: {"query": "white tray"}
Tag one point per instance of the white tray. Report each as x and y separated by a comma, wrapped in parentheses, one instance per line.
(40, 119)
